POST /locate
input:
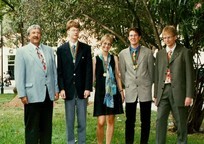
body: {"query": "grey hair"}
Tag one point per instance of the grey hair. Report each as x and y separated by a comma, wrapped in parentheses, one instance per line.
(35, 26)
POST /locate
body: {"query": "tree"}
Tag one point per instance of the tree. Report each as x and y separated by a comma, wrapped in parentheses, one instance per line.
(115, 17)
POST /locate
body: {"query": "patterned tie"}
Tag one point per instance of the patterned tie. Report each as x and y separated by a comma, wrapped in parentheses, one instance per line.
(41, 58)
(168, 73)
(169, 54)
(134, 56)
(73, 50)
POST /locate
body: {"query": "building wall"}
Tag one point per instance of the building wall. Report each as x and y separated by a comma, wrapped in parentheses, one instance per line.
(8, 61)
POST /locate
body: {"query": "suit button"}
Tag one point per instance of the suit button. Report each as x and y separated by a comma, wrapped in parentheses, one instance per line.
(137, 85)
(74, 74)
(45, 75)
(136, 77)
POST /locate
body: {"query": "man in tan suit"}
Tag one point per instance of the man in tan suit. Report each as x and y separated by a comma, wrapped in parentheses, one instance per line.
(173, 86)
(137, 69)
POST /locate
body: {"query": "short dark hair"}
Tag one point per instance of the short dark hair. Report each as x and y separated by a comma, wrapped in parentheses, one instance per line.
(135, 29)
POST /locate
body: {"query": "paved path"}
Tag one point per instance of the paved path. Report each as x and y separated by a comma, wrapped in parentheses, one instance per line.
(9, 89)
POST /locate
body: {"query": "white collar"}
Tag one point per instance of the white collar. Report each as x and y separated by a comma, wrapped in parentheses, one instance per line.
(34, 46)
(71, 43)
(172, 49)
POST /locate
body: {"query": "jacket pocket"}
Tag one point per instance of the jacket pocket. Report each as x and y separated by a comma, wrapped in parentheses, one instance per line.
(28, 85)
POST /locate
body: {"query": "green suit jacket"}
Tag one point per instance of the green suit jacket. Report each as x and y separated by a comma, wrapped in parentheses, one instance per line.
(182, 74)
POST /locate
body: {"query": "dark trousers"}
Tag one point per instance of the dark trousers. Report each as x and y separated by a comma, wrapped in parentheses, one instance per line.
(38, 122)
(145, 115)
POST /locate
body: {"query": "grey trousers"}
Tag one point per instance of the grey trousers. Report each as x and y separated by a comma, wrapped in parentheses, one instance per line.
(180, 115)
(76, 107)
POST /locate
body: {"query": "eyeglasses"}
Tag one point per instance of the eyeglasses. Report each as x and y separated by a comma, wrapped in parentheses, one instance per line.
(133, 35)
(169, 37)
(108, 44)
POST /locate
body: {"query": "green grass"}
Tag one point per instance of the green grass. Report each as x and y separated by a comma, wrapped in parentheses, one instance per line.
(6, 98)
(12, 126)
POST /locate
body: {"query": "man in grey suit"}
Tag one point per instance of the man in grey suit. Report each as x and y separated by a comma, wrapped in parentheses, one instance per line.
(174, 88)
(137, 70)
(36, 83)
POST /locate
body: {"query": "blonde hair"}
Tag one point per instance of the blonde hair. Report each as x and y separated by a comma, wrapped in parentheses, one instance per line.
(169, 29)
(72, 23)
(108, 37)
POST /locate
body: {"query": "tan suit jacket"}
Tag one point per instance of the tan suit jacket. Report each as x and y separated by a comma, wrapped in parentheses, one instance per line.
(138, 83)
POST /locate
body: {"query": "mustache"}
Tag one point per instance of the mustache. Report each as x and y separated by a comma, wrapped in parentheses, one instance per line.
(35, 37)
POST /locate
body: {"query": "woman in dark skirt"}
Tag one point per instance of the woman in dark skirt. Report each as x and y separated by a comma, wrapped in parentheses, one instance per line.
(109, 94)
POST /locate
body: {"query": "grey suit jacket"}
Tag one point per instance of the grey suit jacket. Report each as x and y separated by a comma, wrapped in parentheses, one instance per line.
(182, 74)
(31, 79)
(138, 83)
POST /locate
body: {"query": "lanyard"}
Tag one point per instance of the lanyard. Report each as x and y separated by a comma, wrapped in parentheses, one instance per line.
(106, 64)
(135, 56)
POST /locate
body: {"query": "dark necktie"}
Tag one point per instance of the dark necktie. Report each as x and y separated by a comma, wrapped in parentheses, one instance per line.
(40, 56)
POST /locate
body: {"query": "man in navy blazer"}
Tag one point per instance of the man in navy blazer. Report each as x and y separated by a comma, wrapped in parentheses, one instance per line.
(36, 83)
(75, 80)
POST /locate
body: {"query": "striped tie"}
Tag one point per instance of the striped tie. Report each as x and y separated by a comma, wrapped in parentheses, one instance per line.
(40, 56)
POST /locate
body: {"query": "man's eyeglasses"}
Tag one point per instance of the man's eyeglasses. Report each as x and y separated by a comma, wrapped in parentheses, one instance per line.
(169, 37)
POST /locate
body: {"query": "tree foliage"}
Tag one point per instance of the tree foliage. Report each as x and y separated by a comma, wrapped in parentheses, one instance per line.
(109, 16)
(115, 17)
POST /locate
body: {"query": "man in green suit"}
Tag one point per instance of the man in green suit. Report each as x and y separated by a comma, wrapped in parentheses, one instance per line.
(174, 87)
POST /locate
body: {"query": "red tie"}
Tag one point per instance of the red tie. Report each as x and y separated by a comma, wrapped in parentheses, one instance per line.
(41, 58)
(169, 54)
(168, 73)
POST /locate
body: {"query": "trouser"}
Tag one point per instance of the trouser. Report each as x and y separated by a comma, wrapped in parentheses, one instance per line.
(145, 115)
(180, 115)
(38, 122)
(79, 107)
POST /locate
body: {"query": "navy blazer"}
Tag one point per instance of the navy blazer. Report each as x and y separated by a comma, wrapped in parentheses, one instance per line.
(74, 76)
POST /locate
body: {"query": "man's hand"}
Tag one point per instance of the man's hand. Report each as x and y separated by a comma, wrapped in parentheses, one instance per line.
(155, 101)
(86, 93)
(62, 94)
(24, 100)
(56, 96)
(188, 101)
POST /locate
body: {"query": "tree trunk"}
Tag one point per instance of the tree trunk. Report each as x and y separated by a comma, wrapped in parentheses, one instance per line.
(196, 111)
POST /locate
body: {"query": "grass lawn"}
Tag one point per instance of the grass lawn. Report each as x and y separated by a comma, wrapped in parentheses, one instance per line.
(12, 127)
